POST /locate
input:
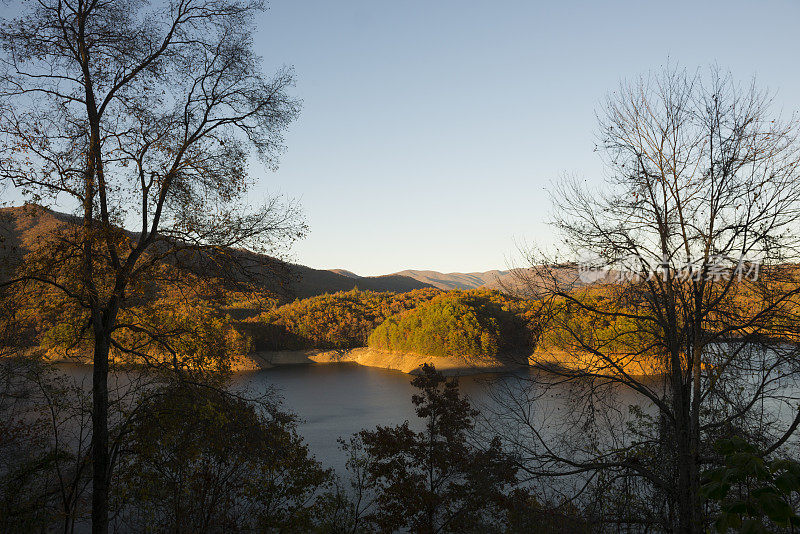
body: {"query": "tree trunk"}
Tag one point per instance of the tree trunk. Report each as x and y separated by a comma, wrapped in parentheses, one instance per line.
(694, 473)
(100, 453)
(686, 494)
(685, 505)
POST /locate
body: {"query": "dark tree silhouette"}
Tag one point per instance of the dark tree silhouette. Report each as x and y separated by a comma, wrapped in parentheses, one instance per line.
(703, 189)
(141, 114)
(436, 480)
(200, 459)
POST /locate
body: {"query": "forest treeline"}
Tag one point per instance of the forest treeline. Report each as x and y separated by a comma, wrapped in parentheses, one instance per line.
(462, 324)
(340, 320)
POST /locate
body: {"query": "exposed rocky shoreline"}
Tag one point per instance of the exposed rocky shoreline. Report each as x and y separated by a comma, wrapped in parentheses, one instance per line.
(404, 362)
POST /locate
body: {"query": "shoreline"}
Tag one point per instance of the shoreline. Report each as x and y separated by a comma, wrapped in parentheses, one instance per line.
(409, 363)
(405, 362)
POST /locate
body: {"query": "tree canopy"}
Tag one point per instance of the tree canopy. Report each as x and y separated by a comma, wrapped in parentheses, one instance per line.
(465, 325)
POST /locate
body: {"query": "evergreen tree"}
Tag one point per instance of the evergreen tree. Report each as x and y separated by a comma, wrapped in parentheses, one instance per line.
(436, 480)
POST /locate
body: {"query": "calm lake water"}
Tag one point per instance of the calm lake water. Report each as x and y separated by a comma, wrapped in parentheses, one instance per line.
(340, 399)
(335, 400)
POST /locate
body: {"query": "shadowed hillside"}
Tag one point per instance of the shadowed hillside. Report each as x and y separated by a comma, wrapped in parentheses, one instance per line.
(345, 272)
(22, 226)
(514, 281)
(490, 279)
(494, 279)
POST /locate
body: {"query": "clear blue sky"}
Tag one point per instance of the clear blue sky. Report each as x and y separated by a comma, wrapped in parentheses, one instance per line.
(430, 131)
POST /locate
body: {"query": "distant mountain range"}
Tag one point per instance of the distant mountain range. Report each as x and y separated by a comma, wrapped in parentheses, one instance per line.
(312, 282)
(489, 279)
(494, 279)
(21, 227)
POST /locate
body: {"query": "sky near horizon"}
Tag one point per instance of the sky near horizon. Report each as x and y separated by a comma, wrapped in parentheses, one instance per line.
(431, 131)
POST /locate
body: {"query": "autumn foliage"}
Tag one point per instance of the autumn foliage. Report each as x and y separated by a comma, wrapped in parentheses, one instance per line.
(471, 324)
(334, 321)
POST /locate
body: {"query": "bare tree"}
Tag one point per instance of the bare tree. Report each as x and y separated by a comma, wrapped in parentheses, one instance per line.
(691, 312)
(141, 114)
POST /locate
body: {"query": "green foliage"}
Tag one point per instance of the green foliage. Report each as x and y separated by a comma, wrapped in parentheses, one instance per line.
(594, 322)
(63, 336)
(752, 494)
(462, 324)
(190, 336)
(436, 480)
(334, 321)
(203, 460)
(182, 334)
(247, 305)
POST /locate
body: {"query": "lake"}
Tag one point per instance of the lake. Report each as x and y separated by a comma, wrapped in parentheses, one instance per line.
(335, 400)
(339, 399)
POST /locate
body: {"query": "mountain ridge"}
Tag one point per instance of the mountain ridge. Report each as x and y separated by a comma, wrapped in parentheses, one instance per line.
(493, 279)
(21, 226)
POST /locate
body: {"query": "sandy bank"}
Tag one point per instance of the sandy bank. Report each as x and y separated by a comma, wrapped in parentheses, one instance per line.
(404, 362)
(268, 359)
(611, 365)
(409, 362)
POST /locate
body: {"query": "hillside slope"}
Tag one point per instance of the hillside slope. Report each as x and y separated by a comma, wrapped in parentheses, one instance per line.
(22, 226)
(345, 272)
(311, 282)
(516, 281)
(494, 279)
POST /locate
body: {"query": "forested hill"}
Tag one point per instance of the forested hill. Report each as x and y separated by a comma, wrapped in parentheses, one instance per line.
(489, 279)
(318, 281)
(446, 281)
(22, 226)
(510, 281)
